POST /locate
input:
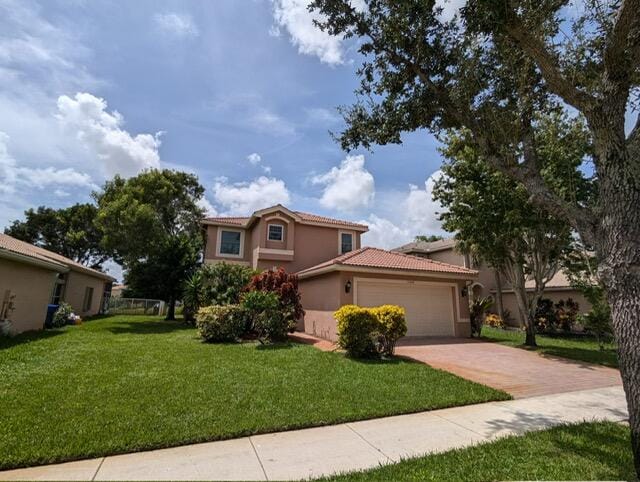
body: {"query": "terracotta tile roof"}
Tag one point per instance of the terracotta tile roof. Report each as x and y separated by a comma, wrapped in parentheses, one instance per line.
(311, 218)
(14, 245)
(237, 221)
(383, 259)
(314, 218)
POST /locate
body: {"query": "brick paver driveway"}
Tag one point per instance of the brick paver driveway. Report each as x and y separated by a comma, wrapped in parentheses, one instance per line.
(514, 370)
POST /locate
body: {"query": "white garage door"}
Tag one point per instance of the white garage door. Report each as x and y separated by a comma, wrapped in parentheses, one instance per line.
(429, 307)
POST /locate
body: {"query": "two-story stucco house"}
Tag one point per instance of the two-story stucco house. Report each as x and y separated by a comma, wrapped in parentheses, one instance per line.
(335, 270)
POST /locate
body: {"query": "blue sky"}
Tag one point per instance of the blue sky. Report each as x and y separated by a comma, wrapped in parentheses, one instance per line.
(240, 92)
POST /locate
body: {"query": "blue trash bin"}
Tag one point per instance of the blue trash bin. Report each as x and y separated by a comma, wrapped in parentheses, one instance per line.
(48, 321)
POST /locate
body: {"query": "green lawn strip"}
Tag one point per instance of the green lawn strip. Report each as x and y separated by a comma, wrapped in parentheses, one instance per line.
(588, 451)
(124, 384)
(574, 347)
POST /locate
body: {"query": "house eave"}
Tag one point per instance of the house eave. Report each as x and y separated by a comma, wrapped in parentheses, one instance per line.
(367, 269)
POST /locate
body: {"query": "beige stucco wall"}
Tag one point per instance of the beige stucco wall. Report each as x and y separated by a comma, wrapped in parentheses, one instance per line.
(323, 295)
(33, 287)
(509, 302)
(75, 290)
(310, 244)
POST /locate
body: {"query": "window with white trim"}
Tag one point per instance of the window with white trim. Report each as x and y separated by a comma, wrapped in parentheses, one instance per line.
(230, 242)
(275, 232)
(346, 242)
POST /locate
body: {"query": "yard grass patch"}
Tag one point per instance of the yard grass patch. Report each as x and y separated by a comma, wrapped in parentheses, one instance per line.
(589, 451)
(129, 383)
(576, 348)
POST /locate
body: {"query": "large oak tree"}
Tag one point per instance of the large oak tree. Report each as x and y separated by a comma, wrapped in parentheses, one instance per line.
(490, 71)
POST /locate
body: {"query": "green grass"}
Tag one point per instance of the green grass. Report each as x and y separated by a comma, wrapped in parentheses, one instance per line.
(589, 451)
(576, 348)
(123, 384)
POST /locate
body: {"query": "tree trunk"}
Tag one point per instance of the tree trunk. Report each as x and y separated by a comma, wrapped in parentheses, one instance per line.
(171, 311)
(618, 250)
(499, 294)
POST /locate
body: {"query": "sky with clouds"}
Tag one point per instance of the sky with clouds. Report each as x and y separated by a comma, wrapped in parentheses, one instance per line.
(241, 92)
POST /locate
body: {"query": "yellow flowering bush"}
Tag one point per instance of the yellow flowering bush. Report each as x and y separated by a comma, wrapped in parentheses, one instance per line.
(492, 319)
(366, 332)
(392, 326)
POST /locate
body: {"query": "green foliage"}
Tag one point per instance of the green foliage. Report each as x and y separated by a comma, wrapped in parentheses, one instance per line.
(392, 326)
(220, 323)
(428, 239)
(285, 285)
(357, 328)
(598, 320)
(370, 332)
(62, 315)
(223, 283)
(150, 224)
(477, 309)
(266, 316)
(70, 232)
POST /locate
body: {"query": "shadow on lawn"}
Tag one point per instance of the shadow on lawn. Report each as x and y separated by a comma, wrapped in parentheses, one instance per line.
(29, 337)
(149, 327)
(607, 358)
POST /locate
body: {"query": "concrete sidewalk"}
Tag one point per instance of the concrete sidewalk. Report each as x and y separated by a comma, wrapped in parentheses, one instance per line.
(327, 450)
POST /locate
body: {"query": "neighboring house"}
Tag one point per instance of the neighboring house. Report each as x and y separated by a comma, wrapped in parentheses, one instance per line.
(33, 277)
(558, 288)
(334, 270)
(117, 289)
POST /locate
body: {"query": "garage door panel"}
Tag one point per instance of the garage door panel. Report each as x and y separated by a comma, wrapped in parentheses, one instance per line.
(429, 308)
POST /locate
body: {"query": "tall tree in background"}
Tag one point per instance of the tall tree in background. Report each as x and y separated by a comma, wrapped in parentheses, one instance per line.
(496, 223)
(488, 72)
(70, 232)
(151, 225)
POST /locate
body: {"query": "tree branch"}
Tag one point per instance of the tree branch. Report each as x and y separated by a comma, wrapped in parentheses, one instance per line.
(535, 48)
(623, 44)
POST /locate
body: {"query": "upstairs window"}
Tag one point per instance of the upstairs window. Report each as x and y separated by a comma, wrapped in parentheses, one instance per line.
(230, 243)
(346, 242)
(276, 232)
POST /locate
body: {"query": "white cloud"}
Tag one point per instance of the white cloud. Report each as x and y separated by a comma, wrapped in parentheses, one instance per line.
(209, 209)
(14, 177)
(415, 213)
(320, 115)
(294, 17)
(180, 25)
(254, 158)
(450, 8)
(242, 198)
(102, 135)
(347, 187)
(265, 121)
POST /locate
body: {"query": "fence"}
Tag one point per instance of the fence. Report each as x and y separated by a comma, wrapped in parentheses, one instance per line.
(136, 306)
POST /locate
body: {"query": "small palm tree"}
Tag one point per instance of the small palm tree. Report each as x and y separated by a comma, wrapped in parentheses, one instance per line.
(193, 295)
(477, 309)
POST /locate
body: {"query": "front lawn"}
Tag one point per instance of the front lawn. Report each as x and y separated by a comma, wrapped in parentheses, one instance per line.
(130, 383)
(589, 451)
(575, 347)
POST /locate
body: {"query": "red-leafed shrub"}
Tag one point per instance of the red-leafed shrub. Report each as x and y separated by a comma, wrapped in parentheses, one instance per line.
(285, 285)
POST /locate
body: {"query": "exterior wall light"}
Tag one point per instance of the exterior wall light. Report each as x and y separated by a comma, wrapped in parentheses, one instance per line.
(347, 287)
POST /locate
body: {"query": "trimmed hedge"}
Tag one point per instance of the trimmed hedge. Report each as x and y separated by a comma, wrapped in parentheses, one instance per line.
(220, 323)
(368, 332)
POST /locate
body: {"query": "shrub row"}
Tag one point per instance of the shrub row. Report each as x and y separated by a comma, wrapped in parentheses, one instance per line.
(370, 332)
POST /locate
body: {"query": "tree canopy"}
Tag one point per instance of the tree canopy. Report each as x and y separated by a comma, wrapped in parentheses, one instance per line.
(151, 224)
(70, 232)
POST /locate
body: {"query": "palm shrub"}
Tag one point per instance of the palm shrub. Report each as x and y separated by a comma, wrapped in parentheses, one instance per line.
(477, 309)
(220, 323)
(392, 326)
(193, 295)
